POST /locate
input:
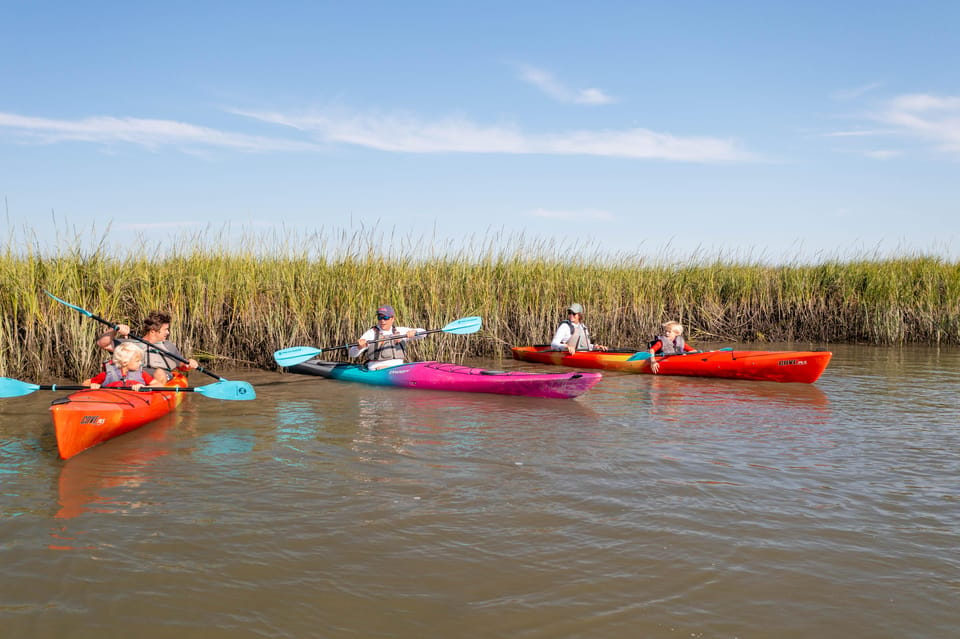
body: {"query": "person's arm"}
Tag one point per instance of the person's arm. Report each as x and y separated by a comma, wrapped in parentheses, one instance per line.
(654, 347)
(361, 344)
(411, 333)
(560, 338)
(96, 380)
(689, 349)
(105, 341)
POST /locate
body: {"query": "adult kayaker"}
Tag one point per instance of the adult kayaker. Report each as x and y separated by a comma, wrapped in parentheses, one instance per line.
(572, 335)
(390, 351)
(156, 330)
(670, 343)
(124, 370)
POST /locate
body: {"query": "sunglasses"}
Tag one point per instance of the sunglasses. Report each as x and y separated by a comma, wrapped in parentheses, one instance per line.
(384, 317)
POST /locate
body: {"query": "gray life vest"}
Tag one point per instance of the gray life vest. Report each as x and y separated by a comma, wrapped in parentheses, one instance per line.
(114, 375)
(670, 346)
(154, 359)
(581, 334)
(390, 349)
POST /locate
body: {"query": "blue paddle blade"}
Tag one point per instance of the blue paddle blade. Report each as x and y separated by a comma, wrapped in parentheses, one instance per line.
(639, 356)
(74, 307)
(295, 355)
(15, 388)
(241, 391)
(464, 326)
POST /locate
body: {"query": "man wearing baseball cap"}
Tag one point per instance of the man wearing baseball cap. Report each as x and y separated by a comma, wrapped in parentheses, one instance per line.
(572, 335)
(383, 343)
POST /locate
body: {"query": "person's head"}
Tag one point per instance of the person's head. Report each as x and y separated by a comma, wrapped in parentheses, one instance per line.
(127, 355)
(575, 312)
(385, 316)
(673, 329)
(156, 326)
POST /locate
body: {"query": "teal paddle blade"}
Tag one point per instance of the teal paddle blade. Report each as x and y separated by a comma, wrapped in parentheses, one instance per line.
(239, 391)
(15, 388)
(295, 355)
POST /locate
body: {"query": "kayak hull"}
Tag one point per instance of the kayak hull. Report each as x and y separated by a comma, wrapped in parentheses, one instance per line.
(453, 377)
(90, 417)
(770, 366)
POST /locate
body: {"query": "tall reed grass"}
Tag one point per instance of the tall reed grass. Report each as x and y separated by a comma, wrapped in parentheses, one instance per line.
(234, 304)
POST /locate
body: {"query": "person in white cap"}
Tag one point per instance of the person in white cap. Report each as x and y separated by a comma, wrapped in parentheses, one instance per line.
(572, 335)
(383, 343)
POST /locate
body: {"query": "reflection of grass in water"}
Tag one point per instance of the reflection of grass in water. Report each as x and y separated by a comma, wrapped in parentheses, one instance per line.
(238, 300)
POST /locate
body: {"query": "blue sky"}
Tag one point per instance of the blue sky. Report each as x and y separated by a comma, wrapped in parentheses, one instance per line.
(776, 130)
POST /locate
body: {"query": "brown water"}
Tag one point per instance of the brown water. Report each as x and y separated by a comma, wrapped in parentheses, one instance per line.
(649, 507)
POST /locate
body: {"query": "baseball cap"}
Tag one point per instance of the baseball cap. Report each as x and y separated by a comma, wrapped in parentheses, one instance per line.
(387, 310)
(575, 308)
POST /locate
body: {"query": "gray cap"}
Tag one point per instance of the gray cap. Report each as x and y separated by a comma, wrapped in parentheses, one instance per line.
(575, 308)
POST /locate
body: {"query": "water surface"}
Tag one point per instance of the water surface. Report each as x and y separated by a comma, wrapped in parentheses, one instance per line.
(649, 507)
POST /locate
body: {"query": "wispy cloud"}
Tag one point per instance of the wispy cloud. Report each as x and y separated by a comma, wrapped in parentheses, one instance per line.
(585, 214)
(850, 94)
(545, 81)
(925, 117)
(882, 154)
(920, 118)
(148, 133)
(407, 134)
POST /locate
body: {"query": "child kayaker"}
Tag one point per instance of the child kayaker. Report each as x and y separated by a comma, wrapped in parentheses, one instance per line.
(670, 343)
(124, 370)
(156, 330)
(390, 351)
(572, 335)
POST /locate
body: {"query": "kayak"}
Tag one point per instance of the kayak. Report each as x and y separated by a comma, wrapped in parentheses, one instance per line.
(453, 377)
(769, 366)
(90, 417)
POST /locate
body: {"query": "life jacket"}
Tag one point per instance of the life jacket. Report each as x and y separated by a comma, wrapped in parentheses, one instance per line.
(669, 346)
(115, 376)
(390, 349)
(583, 341)
(153, 358)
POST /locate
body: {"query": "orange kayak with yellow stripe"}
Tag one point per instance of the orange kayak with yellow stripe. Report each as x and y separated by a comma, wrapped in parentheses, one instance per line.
(772, 366)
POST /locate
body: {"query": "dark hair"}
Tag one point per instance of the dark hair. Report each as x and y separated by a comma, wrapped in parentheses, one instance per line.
(154, 320)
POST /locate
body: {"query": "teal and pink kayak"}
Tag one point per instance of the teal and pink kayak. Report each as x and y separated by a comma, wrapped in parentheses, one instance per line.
(453, 377)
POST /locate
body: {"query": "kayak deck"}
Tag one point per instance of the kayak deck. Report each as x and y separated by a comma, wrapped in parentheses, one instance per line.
(454, 377)
(89, 417)
(774, 366)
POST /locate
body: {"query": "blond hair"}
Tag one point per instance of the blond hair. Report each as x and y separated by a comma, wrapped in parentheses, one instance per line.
(126, 353)
(673, 325)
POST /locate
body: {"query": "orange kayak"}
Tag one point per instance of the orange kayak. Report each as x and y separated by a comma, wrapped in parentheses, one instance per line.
(770, 366)
(90, 417)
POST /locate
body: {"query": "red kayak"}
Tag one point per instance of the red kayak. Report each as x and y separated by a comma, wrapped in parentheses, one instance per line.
(90, 417)
(769, 366)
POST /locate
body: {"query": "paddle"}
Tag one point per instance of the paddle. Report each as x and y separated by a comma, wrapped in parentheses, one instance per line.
(642, 355)
(246, 386)
(299, 354)
(220, 390)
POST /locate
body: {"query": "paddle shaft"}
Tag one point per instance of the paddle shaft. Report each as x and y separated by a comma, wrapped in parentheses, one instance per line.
(116, 327)
(142, 389)
(382, 339)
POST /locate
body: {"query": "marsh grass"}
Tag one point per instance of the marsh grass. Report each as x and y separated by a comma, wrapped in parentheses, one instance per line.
(234, 304)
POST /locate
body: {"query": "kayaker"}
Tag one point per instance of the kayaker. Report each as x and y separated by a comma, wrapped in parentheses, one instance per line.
(124, 370)
(670, 343)
(391, 351)
(156, 330)
(572, 335)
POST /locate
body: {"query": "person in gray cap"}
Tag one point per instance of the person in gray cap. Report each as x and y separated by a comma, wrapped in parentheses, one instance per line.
(572, 335)
(390, 351)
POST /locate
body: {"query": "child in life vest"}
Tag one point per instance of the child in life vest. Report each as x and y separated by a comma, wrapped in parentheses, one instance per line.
(124, 370)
